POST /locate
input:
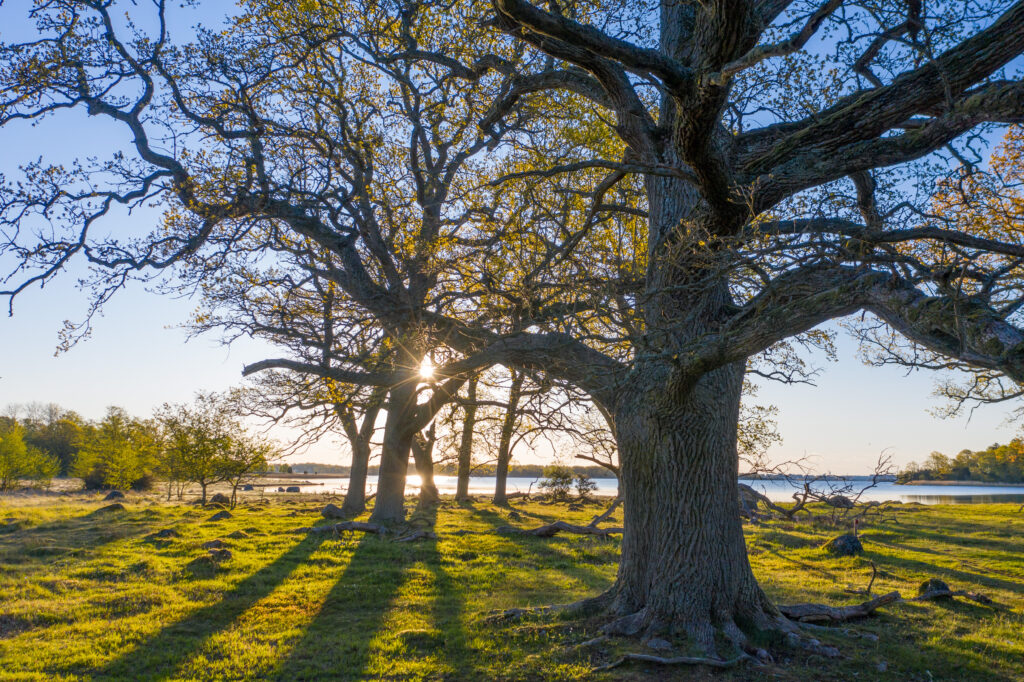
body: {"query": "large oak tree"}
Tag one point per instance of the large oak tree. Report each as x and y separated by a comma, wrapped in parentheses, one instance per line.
(762, 135)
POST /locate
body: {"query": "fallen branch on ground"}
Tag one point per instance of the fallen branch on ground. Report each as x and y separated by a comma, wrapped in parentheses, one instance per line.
(557, 527)
(681, 660)
(360, 526)
(836, 614)
(949, 594)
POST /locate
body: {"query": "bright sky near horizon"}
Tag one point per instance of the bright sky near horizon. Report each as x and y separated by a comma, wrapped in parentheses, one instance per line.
(137, 359)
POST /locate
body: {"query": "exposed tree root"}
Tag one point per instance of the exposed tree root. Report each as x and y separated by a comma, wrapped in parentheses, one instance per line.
(552, 529)
(679, 660)
(806, 613)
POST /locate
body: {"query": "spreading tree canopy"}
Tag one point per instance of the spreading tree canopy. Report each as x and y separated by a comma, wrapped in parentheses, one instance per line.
(686, 190)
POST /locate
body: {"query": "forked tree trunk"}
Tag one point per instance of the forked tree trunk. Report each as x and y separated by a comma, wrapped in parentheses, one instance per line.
(394, 457)
(466, 443)
(508, 427)
(684, 565)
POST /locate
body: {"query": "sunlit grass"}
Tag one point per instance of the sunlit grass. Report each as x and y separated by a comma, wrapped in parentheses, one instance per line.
(91, 596)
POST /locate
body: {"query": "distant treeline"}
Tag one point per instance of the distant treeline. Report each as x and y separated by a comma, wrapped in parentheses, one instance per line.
(995, 464)
(187, 443)
(445, 469)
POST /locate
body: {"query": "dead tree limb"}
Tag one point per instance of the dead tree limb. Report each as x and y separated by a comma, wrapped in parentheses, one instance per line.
(557, 527)
(360, 526)
(836, 614)
(608, 512)
(680, 660)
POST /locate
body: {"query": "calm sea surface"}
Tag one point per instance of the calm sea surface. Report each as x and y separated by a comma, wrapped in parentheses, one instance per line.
(778, 491)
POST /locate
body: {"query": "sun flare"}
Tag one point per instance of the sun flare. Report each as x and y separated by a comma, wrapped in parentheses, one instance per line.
(426, 369)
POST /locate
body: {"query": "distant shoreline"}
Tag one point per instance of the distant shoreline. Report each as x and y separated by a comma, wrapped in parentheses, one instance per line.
(981, 483)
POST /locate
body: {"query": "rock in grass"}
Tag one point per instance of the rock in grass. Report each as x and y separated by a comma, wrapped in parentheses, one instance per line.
(844, 545)
(114, 495)
(220, 498)
(658, 644)
(238, 534)
(213, 544)
(220, 516)
(936, 587)
(332, 511)
(117, 506)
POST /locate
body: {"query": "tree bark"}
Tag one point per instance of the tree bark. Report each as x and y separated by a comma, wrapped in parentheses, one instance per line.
(394, 456)
(423, 455)
(679, 491)
(508, 427)
(466, 444)
(359, 438)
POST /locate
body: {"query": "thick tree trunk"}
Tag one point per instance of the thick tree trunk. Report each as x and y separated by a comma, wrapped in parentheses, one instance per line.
(466, 444)
(394, 456)
(508, 427)
(684, 562)
(423, 455)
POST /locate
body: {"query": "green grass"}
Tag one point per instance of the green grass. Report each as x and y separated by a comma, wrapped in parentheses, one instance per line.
(91, 596)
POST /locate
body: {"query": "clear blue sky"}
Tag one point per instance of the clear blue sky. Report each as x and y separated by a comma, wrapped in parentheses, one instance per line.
(137, 359)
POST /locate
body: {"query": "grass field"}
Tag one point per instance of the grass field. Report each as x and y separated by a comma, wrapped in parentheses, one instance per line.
(91, 595)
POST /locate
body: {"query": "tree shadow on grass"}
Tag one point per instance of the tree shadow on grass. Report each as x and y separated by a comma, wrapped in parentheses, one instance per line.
(78, 536)
(447, 614)
(933, 570)
(958, 537)
(549, 553)
(163, 653)
(337, 643)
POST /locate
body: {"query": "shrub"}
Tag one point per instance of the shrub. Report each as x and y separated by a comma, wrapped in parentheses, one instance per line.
(585, 486)
(558, 482)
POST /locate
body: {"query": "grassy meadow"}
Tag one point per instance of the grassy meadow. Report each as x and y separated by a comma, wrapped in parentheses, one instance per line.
(88, 595)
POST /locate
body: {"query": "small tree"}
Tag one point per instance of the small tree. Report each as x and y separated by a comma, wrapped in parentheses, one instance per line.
(585, 487)
(120, 452)
(205, 444)
(197, 439)
(246, 457)
(18, 461)
(558, 482)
